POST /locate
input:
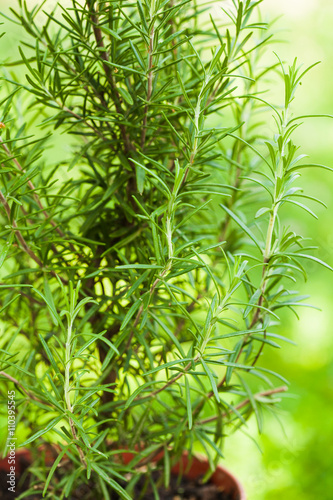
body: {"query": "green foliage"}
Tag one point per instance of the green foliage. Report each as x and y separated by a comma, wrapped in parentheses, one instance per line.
(146, 274)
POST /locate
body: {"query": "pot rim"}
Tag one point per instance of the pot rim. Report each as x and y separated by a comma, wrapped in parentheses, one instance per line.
(221, 473)
(198, 465)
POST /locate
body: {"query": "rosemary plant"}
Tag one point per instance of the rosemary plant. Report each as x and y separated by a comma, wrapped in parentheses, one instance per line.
(143, 277)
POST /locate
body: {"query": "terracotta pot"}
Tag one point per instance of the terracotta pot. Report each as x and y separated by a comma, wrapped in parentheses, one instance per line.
(197, 467)
(23, 458)
(221, 477)
(192, 469)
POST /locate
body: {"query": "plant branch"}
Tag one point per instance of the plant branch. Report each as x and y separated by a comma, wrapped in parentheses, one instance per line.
(68, 357)
(245, 402)
(150, 85)
(21, 386)
(107, 70)
(18, 233)
(32, 187)
(21, 239)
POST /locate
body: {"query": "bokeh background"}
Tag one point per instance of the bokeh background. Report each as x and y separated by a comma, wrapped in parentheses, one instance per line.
(294, 459)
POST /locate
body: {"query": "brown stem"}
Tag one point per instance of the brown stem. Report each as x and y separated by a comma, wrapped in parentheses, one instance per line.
(32, 187)
(21, 239)
(28, 393)
(78, 117)
(154, 454)
(169, 383)
(246, 401)
(150, 86)
(29, 297)
(81, 454)
(19, 236)
(172, 381)
(107, 70)
(35, 195)
(128, 146)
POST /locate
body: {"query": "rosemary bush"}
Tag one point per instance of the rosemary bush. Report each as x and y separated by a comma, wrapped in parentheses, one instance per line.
(142, 279)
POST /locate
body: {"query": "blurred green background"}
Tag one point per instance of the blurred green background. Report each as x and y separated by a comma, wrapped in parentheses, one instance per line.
(296, 461)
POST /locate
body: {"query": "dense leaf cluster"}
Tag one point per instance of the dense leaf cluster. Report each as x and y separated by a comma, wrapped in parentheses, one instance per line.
(142, 278)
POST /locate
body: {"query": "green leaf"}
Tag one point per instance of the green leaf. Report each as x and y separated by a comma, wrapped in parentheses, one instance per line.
(140, 178)
(138, 56)
(252, 302)
(310, 165)
(188, 403)
(309, 116)
(124, 68)
(138, 266)
(211, 379)
(134, 307)
(311, 257)
(50, 357)
(167, 365)
(152, 173)
(125, 95)
(96, 337)
(242, 226)
(49, 302)
(304, 207)
(54, 466)
(110, 32)
(261, 212)
(180, 81)
(5, 248)
(232, 361)
(111, 482)
(252, 403)
(43, 431)
(9, 303)
(172, 336)
(166, 467)
(138, 282)
(137, 391)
